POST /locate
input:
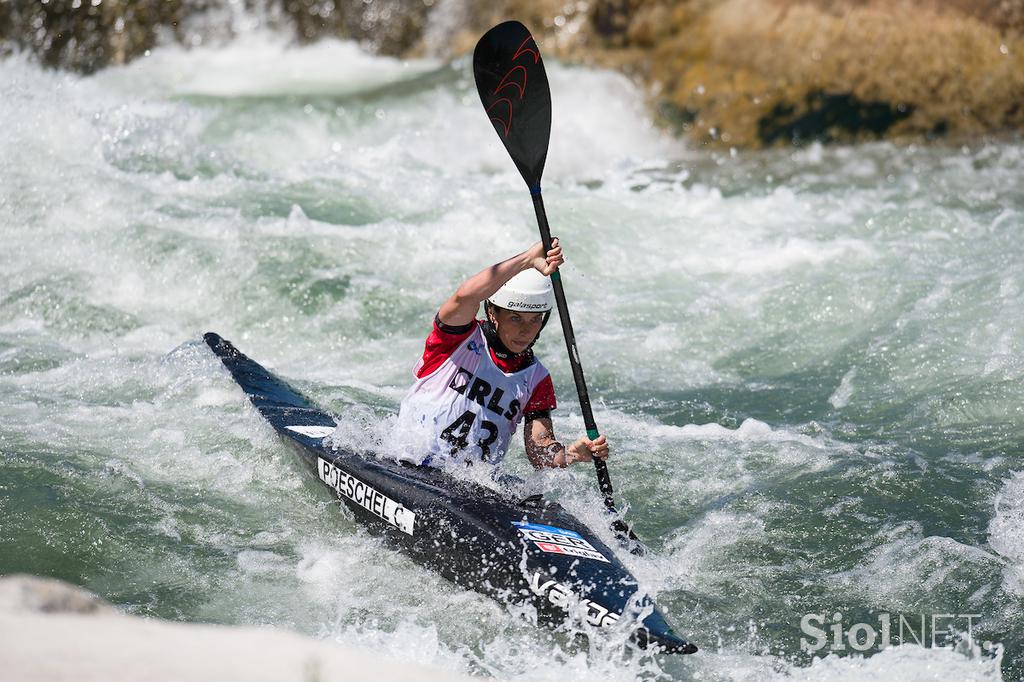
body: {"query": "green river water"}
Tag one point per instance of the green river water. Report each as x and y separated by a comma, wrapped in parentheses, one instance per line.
(808, 361)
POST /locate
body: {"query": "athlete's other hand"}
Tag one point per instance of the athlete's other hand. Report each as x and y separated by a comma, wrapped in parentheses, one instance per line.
(546, 263)
(584, 450)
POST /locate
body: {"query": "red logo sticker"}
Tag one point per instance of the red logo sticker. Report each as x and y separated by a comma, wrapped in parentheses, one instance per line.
(549, 547)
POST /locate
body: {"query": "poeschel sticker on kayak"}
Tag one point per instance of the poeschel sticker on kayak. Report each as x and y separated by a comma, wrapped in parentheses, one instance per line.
(556, 540)
(367, 497)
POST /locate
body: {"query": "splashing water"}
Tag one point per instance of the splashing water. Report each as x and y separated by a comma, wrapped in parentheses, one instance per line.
(809, 362)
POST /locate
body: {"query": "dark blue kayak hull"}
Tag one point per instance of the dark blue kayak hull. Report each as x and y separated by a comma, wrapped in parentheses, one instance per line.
(517, 551)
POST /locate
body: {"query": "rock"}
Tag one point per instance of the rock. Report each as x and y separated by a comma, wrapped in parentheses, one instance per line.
(26, 593)
(51, 632)
(86, 35)
(391, 27)
(751, 73)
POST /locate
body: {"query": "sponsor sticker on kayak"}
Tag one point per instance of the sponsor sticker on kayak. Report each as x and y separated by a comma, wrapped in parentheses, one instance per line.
(313, 431)
(563, 597)
(556, 540)
(367, 497)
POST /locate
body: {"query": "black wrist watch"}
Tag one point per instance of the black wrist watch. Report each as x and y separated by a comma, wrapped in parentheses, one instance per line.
(552, 450)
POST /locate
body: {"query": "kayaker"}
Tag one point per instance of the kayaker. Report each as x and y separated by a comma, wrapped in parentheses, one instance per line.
(478, 379)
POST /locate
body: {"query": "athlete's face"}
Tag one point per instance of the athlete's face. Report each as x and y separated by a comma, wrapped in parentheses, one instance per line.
(516, 330)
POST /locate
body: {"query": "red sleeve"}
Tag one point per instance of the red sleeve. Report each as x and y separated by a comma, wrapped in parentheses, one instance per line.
(441, 344)
(543, 397)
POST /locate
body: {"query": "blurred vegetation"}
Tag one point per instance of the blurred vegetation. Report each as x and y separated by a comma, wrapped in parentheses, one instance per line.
(742, 73)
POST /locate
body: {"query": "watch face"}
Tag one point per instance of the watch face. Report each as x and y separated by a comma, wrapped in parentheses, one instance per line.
(554, 449)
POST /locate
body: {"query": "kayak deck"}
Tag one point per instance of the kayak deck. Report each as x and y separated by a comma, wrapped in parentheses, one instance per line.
(517, 551)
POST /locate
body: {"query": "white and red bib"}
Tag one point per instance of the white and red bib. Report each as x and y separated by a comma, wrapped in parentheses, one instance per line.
(468, 405)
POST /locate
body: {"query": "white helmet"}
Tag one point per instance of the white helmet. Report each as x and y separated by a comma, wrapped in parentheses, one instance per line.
(527, 292)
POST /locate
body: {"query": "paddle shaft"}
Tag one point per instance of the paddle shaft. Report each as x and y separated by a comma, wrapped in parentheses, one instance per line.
(604, 481)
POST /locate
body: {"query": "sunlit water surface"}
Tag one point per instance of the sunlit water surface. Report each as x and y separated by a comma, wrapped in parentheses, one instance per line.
(809, 362)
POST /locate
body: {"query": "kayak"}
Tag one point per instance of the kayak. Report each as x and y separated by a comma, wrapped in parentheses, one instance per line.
(519, 551)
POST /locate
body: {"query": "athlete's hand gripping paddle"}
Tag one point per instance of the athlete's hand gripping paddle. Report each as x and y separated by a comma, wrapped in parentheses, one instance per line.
(514, 90)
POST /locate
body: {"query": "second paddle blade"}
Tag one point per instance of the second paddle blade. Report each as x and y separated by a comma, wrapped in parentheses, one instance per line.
(514, 90)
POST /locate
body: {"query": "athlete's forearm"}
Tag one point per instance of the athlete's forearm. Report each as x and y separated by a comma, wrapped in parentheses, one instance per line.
(545, 451)
(542, 448)
(553, 456)
(483, 284)
(462, 306)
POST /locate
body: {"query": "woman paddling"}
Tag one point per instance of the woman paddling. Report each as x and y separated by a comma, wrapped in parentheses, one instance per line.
(478, 379)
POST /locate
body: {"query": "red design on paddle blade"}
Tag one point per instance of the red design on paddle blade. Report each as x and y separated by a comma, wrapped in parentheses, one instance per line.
(510, 79)
(502, 118)
(523, 49)
(515, 78)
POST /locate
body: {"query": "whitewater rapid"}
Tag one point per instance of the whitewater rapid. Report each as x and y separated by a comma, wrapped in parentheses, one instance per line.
(808, 361)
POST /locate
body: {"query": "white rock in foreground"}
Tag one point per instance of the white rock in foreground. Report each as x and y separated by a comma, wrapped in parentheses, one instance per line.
(51, 631)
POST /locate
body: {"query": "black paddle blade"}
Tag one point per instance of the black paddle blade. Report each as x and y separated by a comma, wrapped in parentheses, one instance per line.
(514, 90)
(628, 539)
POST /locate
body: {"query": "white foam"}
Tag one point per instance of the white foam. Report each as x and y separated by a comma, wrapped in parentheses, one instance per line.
(701, 557)
(902, 664)
(840, 398)
(262, 63)
(905, 564)
(1006, 532)
(259, 562)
